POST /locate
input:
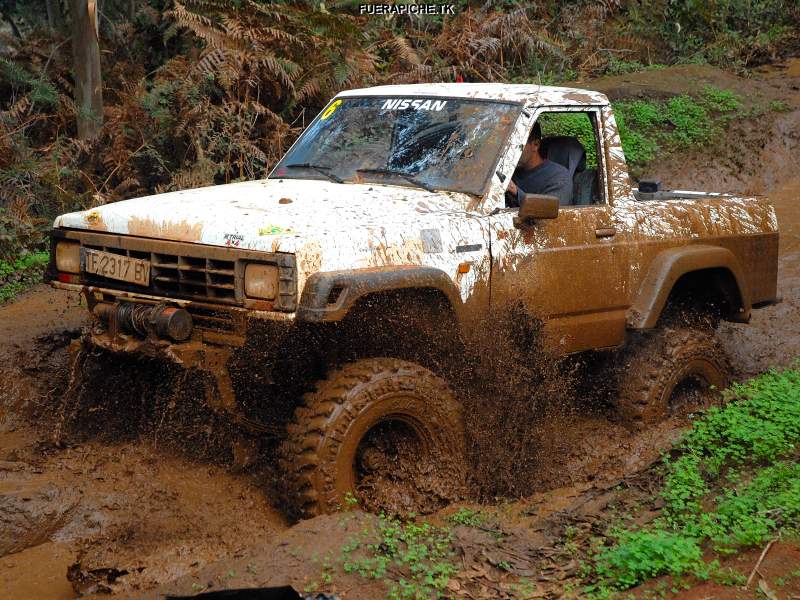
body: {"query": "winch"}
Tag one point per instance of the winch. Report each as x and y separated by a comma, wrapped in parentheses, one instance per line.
(162, 320)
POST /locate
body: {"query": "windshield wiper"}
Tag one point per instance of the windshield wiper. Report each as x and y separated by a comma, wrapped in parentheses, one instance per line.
(403, 174)
(318, 168)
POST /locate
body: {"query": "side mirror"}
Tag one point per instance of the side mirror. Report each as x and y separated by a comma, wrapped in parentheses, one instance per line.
(649, 186)
(536, 206)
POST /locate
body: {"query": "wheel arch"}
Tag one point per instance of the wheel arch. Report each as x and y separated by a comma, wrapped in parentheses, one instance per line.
(712, 270)
(415, 324)
(331, 296)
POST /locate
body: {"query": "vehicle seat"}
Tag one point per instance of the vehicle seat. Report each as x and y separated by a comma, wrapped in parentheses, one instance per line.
(567, 151)
(584, 187)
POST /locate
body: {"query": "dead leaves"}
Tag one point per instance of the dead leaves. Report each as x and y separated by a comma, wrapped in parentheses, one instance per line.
(506, 563)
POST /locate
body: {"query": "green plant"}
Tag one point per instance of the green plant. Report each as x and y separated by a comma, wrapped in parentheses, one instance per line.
(648, 127)
(635, 131)
(18, 235)
(466, 516)
(573, 124)
(779, 106)
(720, 101)
(728, 577)
(640, 555)
(419, 555)
(21, 273)
(735, 483)
(617, 66)
(725, 32)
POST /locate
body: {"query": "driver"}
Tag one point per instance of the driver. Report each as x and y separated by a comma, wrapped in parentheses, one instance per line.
(537, 175)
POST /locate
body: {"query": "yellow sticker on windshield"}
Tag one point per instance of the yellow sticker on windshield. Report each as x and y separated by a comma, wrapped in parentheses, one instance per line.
(330, 110)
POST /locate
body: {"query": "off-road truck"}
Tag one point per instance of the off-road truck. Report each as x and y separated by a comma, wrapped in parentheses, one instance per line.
(343, 280)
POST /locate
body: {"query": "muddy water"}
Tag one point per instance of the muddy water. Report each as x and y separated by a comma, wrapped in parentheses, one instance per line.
(140, 510)
(136, 505)
(38, 572)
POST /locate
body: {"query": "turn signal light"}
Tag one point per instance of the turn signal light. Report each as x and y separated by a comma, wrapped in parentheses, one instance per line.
(68, 257)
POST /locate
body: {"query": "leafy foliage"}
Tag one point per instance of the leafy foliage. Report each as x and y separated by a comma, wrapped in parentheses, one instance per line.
(419, 556)
(650, 126)
(577, 125)
(467, 517)
(718, 31)
(640, 555)
(735, 483)
(20, 273)
(17, 235)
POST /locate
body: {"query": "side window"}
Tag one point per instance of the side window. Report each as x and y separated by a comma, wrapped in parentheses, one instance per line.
(571, 138)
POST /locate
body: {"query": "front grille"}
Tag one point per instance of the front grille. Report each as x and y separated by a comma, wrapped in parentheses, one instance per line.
(209, 274)
(199, 277)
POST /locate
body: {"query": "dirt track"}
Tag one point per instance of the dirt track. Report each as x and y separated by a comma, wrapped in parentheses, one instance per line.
(134, 505)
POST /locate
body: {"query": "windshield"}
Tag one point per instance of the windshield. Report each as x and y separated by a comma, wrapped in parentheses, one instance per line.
(431, 143)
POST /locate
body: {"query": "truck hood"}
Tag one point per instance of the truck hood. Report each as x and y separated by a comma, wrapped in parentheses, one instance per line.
(271, 214)
(327, 226)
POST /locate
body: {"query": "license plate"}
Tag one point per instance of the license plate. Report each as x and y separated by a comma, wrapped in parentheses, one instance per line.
(115, 266)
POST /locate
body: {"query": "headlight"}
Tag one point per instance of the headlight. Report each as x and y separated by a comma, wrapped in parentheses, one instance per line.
(68, 257)
(261, 281)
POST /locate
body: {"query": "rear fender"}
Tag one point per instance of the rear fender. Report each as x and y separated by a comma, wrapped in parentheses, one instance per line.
(670, 265)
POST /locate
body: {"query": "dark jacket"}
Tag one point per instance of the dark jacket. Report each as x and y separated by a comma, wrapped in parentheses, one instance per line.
(548, 178)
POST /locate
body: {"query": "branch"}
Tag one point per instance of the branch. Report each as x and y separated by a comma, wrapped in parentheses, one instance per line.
(758, 564)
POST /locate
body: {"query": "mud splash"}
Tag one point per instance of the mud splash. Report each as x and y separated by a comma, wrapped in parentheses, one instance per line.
(510, 386)
(396, 478)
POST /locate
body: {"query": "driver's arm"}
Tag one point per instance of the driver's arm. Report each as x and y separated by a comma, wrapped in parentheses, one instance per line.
(513, 195)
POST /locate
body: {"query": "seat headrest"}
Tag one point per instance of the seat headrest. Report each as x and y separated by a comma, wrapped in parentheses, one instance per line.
(567, 151)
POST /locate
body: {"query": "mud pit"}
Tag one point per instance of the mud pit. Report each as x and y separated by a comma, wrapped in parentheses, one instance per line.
(135, 505)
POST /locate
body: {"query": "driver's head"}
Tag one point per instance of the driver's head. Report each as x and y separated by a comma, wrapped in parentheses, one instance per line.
(532, 150)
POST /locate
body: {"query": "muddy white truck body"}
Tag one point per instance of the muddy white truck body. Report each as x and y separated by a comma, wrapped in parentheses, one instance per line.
(393, 202)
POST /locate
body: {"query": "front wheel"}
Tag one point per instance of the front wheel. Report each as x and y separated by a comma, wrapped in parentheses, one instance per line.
(669, 371)
(382, 432)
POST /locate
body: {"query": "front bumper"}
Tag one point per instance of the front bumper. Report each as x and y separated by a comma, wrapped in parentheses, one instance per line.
(205, 281)
(213, 326)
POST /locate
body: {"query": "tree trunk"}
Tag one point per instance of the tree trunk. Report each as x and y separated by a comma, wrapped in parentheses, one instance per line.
(86, 67)
(54, 17)
(14, 29)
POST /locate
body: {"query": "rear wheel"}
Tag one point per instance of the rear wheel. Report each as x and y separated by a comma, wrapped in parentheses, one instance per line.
(384, 432)
(671, 370)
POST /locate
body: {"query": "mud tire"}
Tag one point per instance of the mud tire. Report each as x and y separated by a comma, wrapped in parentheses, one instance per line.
(317, 460)
(657, 362)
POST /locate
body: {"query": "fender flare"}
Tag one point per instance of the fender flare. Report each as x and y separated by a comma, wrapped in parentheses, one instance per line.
(669, 266)
(350, 285)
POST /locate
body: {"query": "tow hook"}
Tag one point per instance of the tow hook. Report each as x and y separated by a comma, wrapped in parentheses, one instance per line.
(165, 321)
